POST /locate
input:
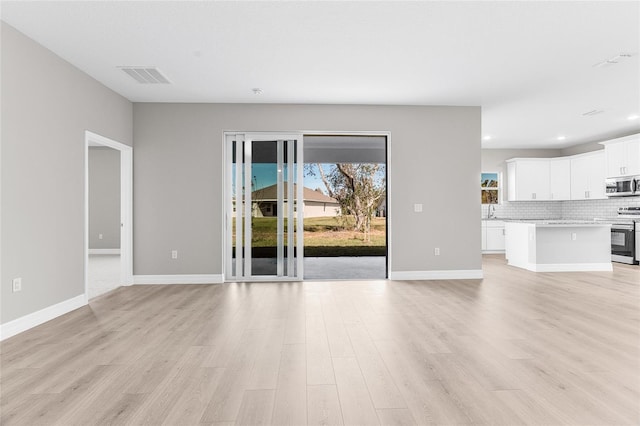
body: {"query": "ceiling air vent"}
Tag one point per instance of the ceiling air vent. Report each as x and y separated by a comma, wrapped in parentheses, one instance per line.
(146, 75)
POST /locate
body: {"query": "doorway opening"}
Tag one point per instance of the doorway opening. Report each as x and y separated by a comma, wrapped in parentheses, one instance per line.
(346, 237)
(282, 222)
(108, 215)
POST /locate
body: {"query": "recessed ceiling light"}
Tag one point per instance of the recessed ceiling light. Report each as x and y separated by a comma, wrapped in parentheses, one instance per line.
(561, 138)
(257, 91)
(486, 138)
(633, 117)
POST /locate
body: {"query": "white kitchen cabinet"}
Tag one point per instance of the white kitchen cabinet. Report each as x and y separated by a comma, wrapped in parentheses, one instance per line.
(493, 236)
(484, 235)
(528, 179)
(587, 176)
(559, 179)
(623, 156)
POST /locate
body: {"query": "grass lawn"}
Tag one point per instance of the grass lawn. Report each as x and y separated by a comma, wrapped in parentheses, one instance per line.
(323, 237)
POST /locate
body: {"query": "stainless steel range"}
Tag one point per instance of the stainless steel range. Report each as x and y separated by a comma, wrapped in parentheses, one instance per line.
(625, 236)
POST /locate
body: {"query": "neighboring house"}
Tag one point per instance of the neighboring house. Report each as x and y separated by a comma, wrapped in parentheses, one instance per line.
(316, 204)
(381, 211)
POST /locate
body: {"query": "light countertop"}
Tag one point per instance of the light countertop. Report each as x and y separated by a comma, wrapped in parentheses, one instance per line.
(560, 222)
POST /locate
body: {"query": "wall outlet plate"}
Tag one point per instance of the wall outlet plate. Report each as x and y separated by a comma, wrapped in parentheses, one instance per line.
(174, 254)
(17, 284)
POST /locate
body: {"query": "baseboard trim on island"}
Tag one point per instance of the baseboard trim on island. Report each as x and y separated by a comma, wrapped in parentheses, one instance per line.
(566, 267)
(462, 274)
(179, 279)
(34, 319)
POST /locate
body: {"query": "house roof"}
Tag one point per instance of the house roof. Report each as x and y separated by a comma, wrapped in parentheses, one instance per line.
(269, 193)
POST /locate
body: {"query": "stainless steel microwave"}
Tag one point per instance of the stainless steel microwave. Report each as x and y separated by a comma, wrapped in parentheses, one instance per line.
(623, 186)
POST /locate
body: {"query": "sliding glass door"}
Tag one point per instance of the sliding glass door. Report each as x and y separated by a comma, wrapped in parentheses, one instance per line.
(264, 207)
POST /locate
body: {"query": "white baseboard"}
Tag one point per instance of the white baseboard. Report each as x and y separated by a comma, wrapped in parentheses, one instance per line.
(463, 274)
(179, 279)
(104, 251)
(571, 267)
(34, 319)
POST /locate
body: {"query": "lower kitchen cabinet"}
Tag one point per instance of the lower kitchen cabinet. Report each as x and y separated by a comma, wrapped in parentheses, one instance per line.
(493, 236)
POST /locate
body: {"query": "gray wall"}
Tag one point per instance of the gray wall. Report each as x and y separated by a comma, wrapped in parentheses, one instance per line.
(104, 198)
(178, 169)
(581, 149)
(47, 105)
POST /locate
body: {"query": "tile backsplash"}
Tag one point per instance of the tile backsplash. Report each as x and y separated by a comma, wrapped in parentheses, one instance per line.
(583, 209)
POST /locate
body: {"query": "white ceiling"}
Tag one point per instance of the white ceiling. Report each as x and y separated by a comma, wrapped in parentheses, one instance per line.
(528, 64)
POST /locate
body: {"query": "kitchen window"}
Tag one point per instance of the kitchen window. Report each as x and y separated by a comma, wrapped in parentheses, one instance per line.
(490, 188)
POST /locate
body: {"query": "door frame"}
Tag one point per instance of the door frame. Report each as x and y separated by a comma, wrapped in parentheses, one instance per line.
(224, 180)
(126, 207)
(227, 209)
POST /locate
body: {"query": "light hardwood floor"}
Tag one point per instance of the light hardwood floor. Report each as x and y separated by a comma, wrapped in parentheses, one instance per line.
(515, 348)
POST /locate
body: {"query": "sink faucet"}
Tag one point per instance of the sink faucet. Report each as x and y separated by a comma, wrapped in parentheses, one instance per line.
(491, 212)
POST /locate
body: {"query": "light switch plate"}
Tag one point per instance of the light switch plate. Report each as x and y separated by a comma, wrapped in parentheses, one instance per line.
(17, 284)
(417, 208)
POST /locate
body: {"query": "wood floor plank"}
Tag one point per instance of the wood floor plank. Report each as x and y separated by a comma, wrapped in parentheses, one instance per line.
(320, 370)
(323, 406)
(355, 401)
(264, 374)
(290, 407)
(319, 363)
(396, 417)
(256, 407)
(382, 388)
(189, 406)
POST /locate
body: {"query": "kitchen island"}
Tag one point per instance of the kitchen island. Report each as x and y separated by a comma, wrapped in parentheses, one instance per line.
(558, 245)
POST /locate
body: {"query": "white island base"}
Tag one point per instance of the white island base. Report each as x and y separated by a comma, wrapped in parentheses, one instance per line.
(558, 246)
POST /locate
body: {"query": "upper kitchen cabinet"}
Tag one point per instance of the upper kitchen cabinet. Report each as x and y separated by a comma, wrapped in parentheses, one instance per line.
(588, 176)
(528, 179)
(622, 156)
(559, 179)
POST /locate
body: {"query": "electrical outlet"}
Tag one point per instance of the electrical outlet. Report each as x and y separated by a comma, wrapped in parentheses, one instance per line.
(17, 284)
(417, 208)
(574, 236)
(100, 236)
(436, 251)
(174, 254)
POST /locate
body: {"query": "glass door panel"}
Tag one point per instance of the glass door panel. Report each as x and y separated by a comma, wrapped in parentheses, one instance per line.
(264, 207)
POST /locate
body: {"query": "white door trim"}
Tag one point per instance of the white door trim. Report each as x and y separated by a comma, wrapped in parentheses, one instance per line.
(126, 207)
